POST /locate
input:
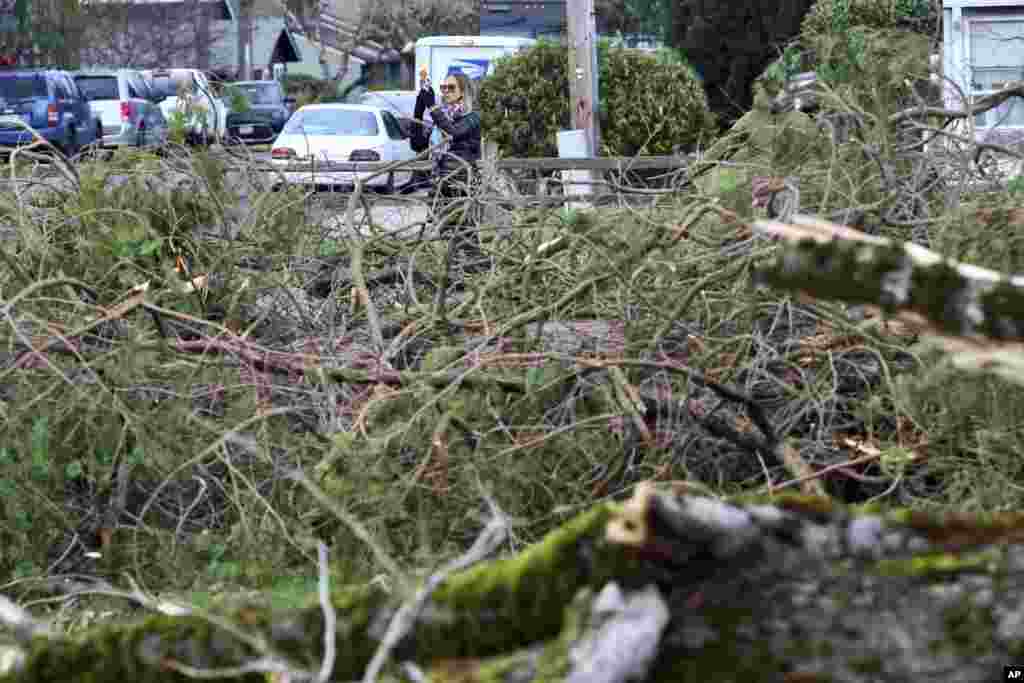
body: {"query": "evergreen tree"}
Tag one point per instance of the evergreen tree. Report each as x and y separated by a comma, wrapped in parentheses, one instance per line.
(728, 42)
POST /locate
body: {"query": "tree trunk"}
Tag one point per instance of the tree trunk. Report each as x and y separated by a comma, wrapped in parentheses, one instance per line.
(773, 590)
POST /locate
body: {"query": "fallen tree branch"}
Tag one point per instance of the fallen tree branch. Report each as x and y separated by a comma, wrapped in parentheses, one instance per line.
(288, 363)
(404, 621)
(759, 566)
(830, 261)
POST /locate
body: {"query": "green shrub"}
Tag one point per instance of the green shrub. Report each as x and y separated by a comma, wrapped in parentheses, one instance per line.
(647, 105)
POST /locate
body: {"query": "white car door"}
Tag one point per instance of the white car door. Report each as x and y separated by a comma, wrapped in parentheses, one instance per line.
(399, 148)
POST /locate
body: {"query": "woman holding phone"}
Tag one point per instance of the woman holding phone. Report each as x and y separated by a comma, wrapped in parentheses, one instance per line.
(457, 153)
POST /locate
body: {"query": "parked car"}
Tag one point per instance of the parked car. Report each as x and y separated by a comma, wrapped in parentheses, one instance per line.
(188, 92)
(401, 103)
(268, 110)
(127, 107)
(50, 102)
(341, 132)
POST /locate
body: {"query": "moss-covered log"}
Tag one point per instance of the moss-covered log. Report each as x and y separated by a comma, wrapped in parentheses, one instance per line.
(756, 589)
(833, 262)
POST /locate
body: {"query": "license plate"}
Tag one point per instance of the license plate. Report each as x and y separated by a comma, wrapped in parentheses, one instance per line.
(246, 130)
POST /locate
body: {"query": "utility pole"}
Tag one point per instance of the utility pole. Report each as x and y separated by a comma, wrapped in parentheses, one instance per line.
(583, 100)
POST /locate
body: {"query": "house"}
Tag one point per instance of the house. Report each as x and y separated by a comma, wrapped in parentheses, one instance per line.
(982, 50)
(268, 34)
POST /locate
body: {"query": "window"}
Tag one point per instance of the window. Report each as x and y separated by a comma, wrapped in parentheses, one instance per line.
(333, 122)
(257, 93)
(167, 84)
(63, 93)
(73, 89)
(138, 85)
(995, 56)
(391, 125)
(14, 88)
(98, 87)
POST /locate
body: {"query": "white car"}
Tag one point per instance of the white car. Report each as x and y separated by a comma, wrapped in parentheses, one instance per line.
(339, 133)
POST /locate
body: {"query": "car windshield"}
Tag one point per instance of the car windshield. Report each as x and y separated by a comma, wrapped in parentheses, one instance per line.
(347, 122)
(258, 93)
(15, 88)
(98, 87)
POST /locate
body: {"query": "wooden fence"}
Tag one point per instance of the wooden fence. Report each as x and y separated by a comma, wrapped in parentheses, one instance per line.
(639, 163)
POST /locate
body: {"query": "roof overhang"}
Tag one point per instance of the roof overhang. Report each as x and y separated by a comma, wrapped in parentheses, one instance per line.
(231, 6)
(285, 48)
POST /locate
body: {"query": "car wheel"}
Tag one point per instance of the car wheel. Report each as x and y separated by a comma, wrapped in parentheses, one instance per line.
(141, 141)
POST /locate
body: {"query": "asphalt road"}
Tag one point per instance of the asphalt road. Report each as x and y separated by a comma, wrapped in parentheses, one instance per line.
(391, 213)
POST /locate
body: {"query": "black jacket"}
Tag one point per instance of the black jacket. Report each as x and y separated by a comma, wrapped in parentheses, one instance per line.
(419, 138)
(465, 138)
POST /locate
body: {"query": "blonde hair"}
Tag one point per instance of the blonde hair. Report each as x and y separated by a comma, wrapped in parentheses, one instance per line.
(468, 89)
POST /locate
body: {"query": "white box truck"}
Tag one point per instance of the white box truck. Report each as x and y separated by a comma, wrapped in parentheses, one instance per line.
(474, 56)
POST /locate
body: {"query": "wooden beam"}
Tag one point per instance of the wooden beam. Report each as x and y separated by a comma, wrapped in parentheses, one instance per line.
(540, 164)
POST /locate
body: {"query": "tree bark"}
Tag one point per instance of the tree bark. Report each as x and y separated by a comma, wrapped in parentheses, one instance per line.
(770, 590)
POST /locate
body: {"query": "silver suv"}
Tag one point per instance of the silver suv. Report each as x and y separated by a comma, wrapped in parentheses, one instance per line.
(126, 105)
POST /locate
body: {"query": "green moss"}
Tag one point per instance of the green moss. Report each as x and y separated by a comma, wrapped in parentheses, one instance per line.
(512, 602)
(957, 530)
(936, 564)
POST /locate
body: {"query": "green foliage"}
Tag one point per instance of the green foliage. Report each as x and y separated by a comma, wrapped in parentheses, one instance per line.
(876, 68)
(1016, 185)
(852, 38)
(177, 127)
(975, 429)
(785, 67)
(648, 106)
(236, 100)
(837, 16)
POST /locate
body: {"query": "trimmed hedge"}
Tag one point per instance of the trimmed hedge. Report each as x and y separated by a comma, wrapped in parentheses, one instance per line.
(647, 105)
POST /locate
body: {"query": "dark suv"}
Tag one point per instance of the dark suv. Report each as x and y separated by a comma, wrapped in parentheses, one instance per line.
(51, 103)
(267, 112)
